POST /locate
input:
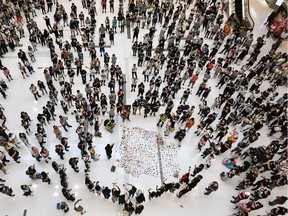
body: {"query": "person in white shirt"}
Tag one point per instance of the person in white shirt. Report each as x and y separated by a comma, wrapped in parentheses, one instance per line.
(34, 91)
(134, 71)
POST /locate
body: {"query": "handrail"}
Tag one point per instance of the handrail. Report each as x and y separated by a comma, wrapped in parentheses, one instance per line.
(250, 15)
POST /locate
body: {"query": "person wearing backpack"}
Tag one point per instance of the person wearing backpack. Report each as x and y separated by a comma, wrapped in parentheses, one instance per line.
(63, 206)
(162, 120)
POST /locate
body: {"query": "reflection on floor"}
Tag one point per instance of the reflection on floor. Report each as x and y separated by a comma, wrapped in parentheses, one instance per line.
(46, 196)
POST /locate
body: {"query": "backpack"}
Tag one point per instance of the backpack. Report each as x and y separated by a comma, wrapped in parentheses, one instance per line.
(171, 129)
(58, 206)
(163, 118)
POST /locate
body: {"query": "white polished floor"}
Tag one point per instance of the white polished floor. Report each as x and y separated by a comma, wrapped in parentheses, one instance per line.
(46, 196)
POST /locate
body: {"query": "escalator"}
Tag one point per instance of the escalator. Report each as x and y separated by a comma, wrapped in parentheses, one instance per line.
(239, 10)
(243, 16)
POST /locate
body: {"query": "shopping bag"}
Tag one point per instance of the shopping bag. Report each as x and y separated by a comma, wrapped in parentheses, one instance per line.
(113, 168)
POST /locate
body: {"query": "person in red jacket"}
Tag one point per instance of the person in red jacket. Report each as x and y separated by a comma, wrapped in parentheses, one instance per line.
(241, 196)
(193, 80)
(185, 177)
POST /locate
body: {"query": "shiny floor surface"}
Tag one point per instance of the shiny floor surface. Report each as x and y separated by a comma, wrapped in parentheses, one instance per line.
(46, 196)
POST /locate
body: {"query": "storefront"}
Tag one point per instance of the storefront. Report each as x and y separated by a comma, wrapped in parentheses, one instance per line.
(276, 3)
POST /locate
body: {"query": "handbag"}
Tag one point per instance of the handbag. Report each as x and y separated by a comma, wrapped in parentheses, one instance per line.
(113, 168)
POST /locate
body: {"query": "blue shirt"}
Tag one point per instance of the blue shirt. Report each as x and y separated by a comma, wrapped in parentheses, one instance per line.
(114, 23)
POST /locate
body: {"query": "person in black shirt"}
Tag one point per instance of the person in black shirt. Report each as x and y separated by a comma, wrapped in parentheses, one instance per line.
(138, 208)
(108, 150)
(47, 22)
(280, 200)
(115, 193)
(213, 186)
(135, 34)
(278, 211)
(106, 192)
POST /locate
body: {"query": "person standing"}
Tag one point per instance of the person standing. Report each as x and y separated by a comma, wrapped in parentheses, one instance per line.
(106, 192)
(222, 132)
(31, 53)
(189, 123)
(1, 65)
(134, 82)
(2, 168)
(113, 59)
(60, 151)
(7, 74)
(26, 189)
(34, 91)
(35, 153)
(193, 80)
(134, 71)
(93, 154)
(108, 150)
(64, 122)
(45, 154)
(78, 207)
(135, 34)
(128, 207)
(115, 193)
(213, 186)
(13, 153)
(280, 200)
(42, 87)
(101, 47)
(140, 58)
(280, 210)
(114, 24)
(97, 125)
(111, 4)
(82, 19)
(65, 144)
(141, 89)
(3, 132)
(57, 132)
(24, 139)
(22, 55)
(78, 64)
(6, 190)
(63, 206)
(163, 118)
(185, 96)
(2, 91)
(22, 70)
(42, 6)
(111, 36)
(241, 196)
(26, 126)
(3, 158)
(47, 22)
(40, 138)
(102, 31)
(138, 208)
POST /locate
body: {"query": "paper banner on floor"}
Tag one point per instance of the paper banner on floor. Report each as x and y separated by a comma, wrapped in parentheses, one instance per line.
(139, 153)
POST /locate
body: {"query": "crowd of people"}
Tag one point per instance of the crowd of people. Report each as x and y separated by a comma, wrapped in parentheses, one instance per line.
(277, 25)
(215, 49)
